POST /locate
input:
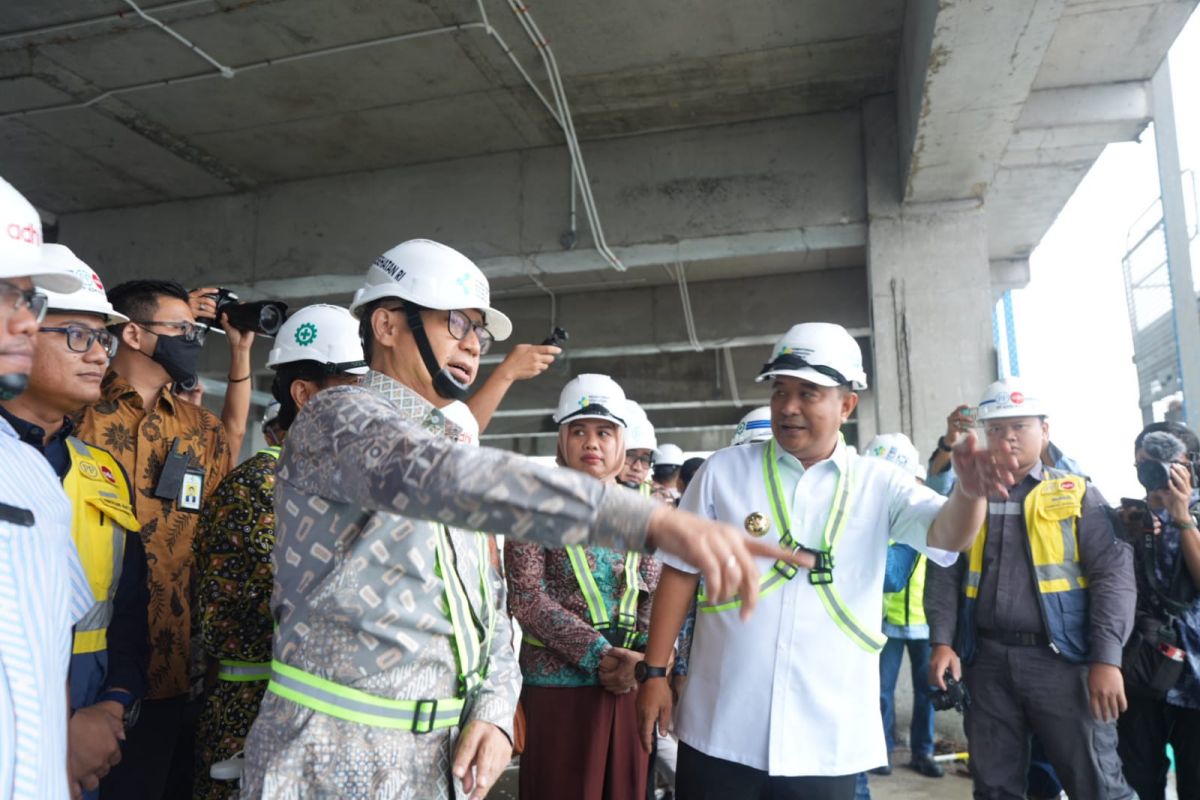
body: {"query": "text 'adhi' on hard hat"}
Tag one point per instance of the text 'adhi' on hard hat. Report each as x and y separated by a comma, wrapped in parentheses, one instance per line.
(89, 298)
(1010, 398)
(592, 396)
(21, 251)
(322, 333)
(818, 352)
(754, 427)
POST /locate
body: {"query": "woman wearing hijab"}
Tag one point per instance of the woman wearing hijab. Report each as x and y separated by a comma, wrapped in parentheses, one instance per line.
(585, 612)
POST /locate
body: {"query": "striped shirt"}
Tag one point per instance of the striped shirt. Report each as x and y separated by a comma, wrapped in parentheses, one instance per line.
(43, 592)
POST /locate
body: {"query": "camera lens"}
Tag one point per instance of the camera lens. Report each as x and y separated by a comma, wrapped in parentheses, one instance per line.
(270, 318)
(1153, 475)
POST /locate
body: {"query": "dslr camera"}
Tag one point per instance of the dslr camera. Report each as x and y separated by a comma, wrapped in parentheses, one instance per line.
(263, 316)
(955, 695)
(1162, 450)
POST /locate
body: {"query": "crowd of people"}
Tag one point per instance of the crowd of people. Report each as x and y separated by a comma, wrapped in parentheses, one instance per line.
(374, 606)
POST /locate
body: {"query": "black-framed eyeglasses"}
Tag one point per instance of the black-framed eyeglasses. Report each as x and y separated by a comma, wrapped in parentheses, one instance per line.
(12, 297)
(458, 323)
(190, 331)
(633, 458)
(80, 339)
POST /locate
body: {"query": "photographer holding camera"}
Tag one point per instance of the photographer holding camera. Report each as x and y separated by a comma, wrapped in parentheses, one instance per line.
(1162, 659)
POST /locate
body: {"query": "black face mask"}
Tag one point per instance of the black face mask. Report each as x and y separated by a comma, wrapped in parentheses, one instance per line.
(12, 385)
(180, 359)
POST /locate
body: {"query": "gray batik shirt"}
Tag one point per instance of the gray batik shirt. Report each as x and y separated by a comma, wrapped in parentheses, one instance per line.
(357, 599)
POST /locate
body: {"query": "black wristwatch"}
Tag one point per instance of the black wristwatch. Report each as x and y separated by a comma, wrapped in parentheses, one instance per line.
(132, 705)
(643, 673)
(941, 445)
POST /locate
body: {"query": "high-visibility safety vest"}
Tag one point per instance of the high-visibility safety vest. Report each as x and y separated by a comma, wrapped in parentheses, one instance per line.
(233, 670)
(472, 648)
(907, 606)
(621, 631)
(821, 576)
(1052, 511)
(101, 513)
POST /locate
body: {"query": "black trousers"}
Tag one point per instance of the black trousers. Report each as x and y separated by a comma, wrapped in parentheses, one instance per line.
(703, 777)
(1145, 730)
(158, 753)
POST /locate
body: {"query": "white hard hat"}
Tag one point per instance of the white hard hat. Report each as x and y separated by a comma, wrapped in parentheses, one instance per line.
(1008, 398)
(270, 413)
(460, 414)
(89, 297)
(432, 275)
(591, 396)
(754, 427)
(322, 333)
(639, 432)
(898, 449)
(21, 253)
(818, 352)
(669, 455)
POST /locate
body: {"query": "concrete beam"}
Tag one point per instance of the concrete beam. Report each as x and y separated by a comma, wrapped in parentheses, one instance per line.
(965, 71)
(1008, 274)
(784, 185)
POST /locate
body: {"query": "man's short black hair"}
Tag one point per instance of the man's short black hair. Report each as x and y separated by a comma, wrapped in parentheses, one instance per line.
(281, 387)
(138, 300)
(1177, 429)
(688, 471)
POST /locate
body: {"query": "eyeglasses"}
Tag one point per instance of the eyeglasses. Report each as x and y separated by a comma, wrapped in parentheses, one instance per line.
(189, 331)
(21, 299)
(459, 323)
(633, 458)
(81, 339)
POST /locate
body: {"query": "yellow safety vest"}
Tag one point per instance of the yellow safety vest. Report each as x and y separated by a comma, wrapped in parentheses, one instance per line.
(821, 576)
(472, 647)
(1052, 510)
(625, 625)
(233, 670)
(101, 513)
(907, 606)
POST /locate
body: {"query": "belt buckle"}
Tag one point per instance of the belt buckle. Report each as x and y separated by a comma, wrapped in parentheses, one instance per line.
(420, 725)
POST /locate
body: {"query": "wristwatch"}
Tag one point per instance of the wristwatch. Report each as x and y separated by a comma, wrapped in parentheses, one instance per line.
(642, 672)
(941, 445)
(132, 705)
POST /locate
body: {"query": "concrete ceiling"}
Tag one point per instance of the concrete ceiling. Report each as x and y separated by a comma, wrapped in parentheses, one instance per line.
(727, 136)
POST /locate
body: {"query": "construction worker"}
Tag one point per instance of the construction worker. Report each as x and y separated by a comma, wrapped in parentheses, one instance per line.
(584, 612)
(1038, 612)
(111, 644)
(666, 470)
(641, 448)
(905, 628)
(271, 431)
(43, 588)
(810, 662)
(317, 347)
(385, 680)
(754, 427)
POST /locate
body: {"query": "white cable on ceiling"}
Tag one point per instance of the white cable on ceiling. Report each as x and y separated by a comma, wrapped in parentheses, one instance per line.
(225, 71)
(677, 272)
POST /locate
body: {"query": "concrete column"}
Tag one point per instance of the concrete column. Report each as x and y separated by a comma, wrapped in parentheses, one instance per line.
(931, 295)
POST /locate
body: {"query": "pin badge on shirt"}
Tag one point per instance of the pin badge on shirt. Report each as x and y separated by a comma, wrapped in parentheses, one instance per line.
(757, 524)
(191, 491)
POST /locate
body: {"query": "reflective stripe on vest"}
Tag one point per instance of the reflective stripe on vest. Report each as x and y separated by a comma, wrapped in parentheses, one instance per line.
(1051, 514)
(272, 451)
(906, 607)
(645, 490)
(471, 648)
(243, 671)
(781, 572)
(101, 513)
(342, 702)
(626, 621)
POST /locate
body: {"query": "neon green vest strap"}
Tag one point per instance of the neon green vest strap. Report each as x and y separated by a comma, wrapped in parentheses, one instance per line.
(272, 451)
(471, 647)
(243, 671)
(319, 694)
(822, 578)
(626, 621)
(644, 490)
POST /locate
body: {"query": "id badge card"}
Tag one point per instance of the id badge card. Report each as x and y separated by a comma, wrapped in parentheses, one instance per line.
(191, 490)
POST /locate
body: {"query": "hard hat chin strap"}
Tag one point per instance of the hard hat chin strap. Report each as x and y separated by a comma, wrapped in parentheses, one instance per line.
(444, 383)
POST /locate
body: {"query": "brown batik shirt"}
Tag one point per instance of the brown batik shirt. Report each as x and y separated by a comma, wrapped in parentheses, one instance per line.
(140, 440)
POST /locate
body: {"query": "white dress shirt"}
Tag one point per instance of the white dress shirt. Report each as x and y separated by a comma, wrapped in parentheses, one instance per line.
(43, 592)
(788, 691)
